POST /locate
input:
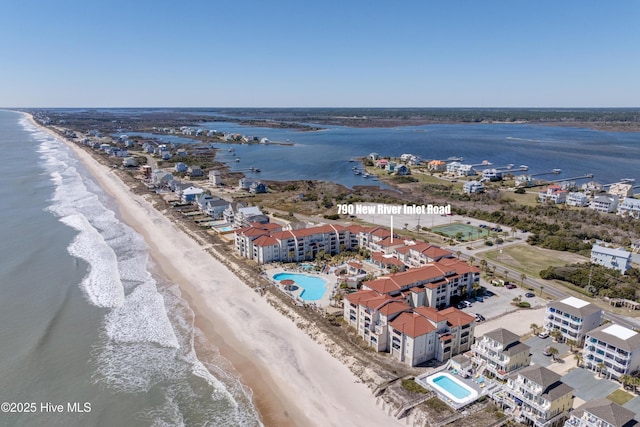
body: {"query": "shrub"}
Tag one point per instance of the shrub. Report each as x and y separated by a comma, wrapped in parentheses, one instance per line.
(524, 304)
(412, 386)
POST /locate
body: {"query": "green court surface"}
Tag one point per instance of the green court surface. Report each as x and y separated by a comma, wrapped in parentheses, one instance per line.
(468, 232)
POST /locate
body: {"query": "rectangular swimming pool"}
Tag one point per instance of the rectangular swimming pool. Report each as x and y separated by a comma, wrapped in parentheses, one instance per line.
(447, 385)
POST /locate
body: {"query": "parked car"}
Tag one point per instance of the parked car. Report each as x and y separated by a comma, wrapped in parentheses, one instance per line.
(543, 334)
(467, 303)
(546, 351)
(480, 317)
(529, 295)
(510, 286)
(460, 306)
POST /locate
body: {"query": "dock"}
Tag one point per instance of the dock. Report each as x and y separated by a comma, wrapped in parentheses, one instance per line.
(554, 172)
(575, 178)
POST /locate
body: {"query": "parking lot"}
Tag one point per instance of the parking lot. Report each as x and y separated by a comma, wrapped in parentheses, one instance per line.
(497, 303)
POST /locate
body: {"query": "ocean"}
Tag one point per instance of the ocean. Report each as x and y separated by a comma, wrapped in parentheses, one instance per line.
(86, 319)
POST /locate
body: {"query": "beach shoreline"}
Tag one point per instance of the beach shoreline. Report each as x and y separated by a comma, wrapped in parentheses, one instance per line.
(294, 380)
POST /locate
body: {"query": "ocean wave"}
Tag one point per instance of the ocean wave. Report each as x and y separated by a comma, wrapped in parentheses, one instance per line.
(102, 284)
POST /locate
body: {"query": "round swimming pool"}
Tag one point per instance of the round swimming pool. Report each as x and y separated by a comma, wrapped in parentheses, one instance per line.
(313, 287)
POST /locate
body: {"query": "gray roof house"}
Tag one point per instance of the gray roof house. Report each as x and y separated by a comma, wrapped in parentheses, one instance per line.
(599, 413)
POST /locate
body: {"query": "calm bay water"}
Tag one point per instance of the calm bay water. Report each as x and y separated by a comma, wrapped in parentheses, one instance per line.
(324, 155)
(83, 318)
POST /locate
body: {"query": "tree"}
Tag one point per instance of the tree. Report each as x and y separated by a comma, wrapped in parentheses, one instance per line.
(534, 328)
(483, 265)
(601, 368)
(506, 274)
(471, 260)
(578, 358)
(541, 288)
(556, 335)
(571, 344)
(458, 254)
(553, 352)
(625, 380)
(523, 277)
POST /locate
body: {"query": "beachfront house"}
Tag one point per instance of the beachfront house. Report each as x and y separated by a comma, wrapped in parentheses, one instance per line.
(465, 170)
(617, 259)
(373, 157)
(471, 187)
(552, 194)
(189, 194)
(601, 413)
(245, 216)
(161, 178)
(258, 187)
(524, 181)
(501, 353)
(576, 198)
(604, 203)
(492, 174)
(215, 207)
(245, 183)
(573, 317)
(629, 207)
(129, 162)
(537, 396)
(613, 350)
(592, 187)
(402, 170)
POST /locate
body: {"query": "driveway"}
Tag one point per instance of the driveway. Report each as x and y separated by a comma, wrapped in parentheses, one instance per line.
(538, 344)
(587, 386)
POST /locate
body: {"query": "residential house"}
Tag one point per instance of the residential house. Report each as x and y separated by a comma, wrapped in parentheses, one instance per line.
(471, 187)
(629, 207)
(573, 317)
(402, 170)
(245, 216)
(161, 178)
(180, 167)
(190, 194)
(129, 162)
(617, 259)
(373, 156)
(465, 170)
(538, 397)
(437, 166)
(552, 194)
(501, 353)
(592, 187)
(621, 189)
(245, 183)
(601, 413)
(195, 171)
(605, 203)
(576, 198)
(215, 178)
(258, 187)
(382, 163)
(524, 181)
(492, 174)
(215, 208)
(612, 349)
(453, 167)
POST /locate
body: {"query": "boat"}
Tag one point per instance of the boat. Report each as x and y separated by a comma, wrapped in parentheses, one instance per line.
(231, 150)
(237, 159)
(627, 180)
(357, 172)
(365, 175)
(351, 160)
(456, 159)
(556, 170)
(524, 167)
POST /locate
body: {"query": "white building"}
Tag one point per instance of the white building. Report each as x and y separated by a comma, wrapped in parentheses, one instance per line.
(615, 346)
(553, 193)
(629, 207)
(501, 353)
(618, 259)
(470, 187)
(573, 317)
(215, 178)
(601, 413)
(577, 199)
(605, 203)
(492, 174)
(538, 397)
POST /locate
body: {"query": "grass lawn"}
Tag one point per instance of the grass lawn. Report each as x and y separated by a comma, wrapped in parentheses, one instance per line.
(620, 397)
(531, 259)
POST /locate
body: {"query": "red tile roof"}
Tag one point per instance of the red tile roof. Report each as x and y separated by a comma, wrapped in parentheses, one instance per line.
(394, 307)
(355, 297)
(265, 241)
(412, 325)
(457, 317)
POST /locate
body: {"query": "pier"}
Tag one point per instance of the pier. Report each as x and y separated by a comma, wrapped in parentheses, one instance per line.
(575, 178)
(554, 172)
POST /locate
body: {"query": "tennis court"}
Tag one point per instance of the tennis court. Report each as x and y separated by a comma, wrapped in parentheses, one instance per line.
(467, 232)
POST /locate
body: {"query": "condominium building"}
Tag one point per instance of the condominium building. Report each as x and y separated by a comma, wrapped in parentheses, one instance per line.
(621, 189)
(601, 413)
(613, 349)
(501, 353)
(413, 335)
(538, 397)
(577, 199)
(431, 285)
(573, 317)
(553, 194)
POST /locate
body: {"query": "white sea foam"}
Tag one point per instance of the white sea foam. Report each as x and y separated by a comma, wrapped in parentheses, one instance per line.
(147, 338)
(102, 284)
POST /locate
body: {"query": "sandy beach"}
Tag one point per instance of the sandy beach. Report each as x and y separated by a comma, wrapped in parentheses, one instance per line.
(294, 380)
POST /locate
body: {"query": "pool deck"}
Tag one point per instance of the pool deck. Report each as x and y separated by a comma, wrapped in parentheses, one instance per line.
(470, 382)
(331, 285)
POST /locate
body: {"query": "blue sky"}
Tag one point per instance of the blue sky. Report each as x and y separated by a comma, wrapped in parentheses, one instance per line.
(314, 54)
